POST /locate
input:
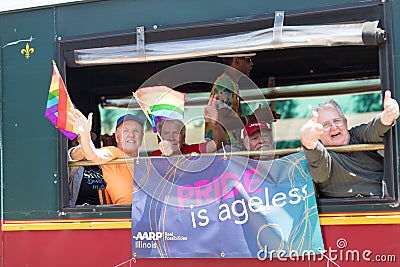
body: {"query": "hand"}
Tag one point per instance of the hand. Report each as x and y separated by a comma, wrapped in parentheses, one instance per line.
(263, 114)
(211, 111)
(390, 109)
(166, 148)
(276, 115)
(311, 131)
(82, 124)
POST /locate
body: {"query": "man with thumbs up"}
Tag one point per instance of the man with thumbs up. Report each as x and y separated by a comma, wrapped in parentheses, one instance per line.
(347, 174)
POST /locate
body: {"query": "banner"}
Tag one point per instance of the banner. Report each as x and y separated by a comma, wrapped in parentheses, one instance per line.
(213, 207)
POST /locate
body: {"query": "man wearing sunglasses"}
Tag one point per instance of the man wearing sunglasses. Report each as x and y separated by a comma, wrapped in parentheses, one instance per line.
(348, 174)
(227, 94)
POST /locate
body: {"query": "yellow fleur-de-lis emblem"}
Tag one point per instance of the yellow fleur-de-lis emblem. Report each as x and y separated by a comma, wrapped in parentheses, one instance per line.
(27, 51)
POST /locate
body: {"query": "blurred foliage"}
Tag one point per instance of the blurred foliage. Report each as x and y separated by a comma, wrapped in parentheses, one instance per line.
(248, 108)
(287, 108)
(288, 144)
(367, 103)
(108, 120)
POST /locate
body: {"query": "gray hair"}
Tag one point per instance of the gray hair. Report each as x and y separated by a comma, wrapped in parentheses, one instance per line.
(329, 104)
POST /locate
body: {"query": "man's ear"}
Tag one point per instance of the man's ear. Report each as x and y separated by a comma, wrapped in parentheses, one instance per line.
(115, 136)
(235, 61)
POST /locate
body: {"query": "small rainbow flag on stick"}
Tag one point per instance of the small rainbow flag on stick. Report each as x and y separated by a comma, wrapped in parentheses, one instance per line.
(161, 102)
(58, 105)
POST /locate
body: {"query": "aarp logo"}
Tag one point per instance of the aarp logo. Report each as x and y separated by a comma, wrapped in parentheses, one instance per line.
(154, 236)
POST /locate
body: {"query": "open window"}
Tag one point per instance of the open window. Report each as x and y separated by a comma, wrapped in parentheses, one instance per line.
(342, 52)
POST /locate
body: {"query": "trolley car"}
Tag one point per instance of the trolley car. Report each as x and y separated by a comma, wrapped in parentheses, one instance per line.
(105, 50)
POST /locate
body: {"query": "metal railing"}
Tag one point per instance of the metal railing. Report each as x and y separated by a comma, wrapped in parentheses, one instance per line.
(272, 152)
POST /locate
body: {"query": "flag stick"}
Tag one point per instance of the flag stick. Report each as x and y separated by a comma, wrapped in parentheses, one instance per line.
(147, 115)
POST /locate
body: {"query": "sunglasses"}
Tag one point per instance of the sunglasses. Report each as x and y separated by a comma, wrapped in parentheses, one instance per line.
(248, 59)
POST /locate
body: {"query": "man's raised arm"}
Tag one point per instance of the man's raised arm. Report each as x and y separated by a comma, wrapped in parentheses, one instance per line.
(84, 126)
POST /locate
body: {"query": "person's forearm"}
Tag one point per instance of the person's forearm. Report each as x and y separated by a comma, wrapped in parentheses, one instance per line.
(88, 148)
(219, 135)
(231, 122)
(319, 163)
(76, 153)
(372, 132)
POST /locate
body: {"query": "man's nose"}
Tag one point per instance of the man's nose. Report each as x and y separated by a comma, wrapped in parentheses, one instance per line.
(333, 126)
(169, 137)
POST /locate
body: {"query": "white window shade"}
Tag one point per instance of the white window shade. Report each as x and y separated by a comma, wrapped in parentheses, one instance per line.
(365, 33)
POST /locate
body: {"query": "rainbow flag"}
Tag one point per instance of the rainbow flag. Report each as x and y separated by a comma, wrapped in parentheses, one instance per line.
(58, 105)
(161, 102)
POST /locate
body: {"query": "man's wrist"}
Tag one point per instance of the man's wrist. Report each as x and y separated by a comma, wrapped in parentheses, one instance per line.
(385, 121)
(72, 150)
(309, 145)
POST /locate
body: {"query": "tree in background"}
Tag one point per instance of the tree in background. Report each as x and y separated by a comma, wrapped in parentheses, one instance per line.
(367, 103)
(108, 119)
(287, 108)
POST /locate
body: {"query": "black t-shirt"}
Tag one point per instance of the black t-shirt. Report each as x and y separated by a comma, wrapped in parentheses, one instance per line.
(92, 181)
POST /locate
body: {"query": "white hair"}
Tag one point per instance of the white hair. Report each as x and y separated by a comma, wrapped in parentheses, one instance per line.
(329, 104)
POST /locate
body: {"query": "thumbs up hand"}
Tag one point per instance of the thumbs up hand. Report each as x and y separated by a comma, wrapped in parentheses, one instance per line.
(390, 109)
(311, 131)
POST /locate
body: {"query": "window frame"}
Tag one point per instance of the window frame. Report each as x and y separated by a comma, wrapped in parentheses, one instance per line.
(330, 14)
